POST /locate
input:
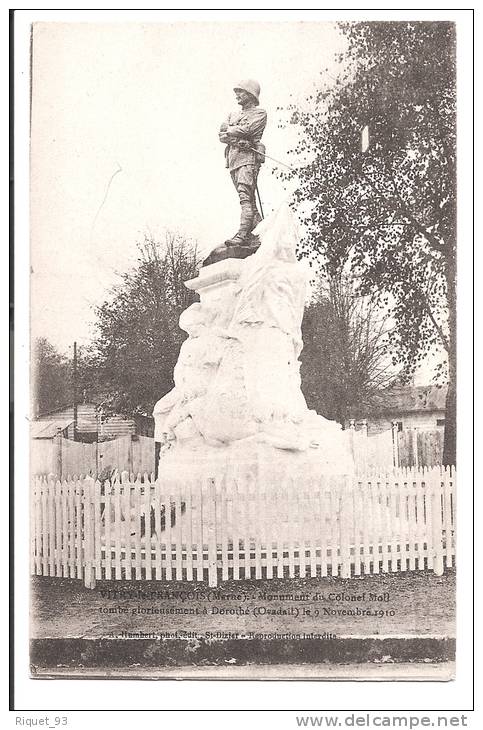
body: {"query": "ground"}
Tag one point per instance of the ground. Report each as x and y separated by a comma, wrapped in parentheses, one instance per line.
(381, 619)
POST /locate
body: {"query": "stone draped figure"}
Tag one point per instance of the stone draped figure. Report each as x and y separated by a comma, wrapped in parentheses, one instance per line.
(244, 384)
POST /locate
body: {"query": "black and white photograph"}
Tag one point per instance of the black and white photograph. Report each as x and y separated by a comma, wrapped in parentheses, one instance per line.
(244, 296)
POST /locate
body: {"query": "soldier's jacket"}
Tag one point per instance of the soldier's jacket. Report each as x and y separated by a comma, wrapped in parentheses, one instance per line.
(245, 124)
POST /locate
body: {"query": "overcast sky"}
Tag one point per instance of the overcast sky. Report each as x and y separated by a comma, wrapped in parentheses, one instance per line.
(146, 100)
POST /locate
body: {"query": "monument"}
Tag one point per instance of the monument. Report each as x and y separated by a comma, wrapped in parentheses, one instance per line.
(242, 132)
(237, 396)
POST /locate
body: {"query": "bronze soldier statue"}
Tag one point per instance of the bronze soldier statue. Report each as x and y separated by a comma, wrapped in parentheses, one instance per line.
(242, 133)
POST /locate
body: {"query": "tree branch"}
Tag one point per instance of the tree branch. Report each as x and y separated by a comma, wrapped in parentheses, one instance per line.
(401, 207)
(437, 327)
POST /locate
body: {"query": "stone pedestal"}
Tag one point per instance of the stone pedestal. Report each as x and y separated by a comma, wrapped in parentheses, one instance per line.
(237, 399)
(217, 282)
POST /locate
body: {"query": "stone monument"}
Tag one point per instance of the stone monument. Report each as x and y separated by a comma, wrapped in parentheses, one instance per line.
(237, 399)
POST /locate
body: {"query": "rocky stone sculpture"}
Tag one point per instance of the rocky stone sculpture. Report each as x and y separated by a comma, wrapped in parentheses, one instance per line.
(237, 381)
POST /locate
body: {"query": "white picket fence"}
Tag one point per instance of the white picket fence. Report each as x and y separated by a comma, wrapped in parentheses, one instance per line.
(212, 529)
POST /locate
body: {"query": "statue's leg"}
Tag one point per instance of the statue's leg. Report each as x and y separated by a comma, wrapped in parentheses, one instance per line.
(257, 217)
(243, 181)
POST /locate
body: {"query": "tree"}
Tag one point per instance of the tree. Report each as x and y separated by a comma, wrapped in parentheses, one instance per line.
(344, 360)
(389, 210)
(52, 377)
(137, 343)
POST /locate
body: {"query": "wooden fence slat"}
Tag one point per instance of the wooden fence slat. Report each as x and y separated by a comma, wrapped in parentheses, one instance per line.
(265, 506)
(71, 527)
(383, 519)
(234, 481)
(245, 533)
(411, 522)
(345, 507)
(448, 527)
(393, 526)
(96, 535)
(291, 527)
(332, 524)
(278, 510)
(223, 525)
(136, 527)
(420, 520)
(64, 530)
(117, 527)
(357, 517)
(128, 522)
(300, 535)
(44, 528)
(428, 511)
(89, 532)
(311, 509)
(323, 532)
(437, 520)
(146, 509)
(167, 499)
(196, 529)
(401, 521)
(449, 474)
(258, 527)
(209, 500)
(374, 526)
(58, 527)
(189, 532)
(52, 528)
(178, 534)
(366, 511)
(107, 520)
(33, 537)
(38, 525)
(78, 518)
(157, 530)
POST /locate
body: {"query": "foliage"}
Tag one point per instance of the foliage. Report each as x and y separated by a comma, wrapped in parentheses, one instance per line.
(344, 360)
(136, 347)
(52, 377)
(388, 211)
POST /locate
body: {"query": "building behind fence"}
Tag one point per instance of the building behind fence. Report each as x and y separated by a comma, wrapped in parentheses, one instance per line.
(226, 528)
(63, 457)
(54, 454)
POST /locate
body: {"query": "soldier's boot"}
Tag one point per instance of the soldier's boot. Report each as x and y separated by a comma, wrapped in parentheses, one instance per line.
(246, 226)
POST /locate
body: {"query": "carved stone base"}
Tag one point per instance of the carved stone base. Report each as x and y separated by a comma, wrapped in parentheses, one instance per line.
(251, 459)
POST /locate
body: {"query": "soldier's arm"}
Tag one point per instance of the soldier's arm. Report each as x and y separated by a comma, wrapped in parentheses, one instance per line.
(249, 127)
(223, 136)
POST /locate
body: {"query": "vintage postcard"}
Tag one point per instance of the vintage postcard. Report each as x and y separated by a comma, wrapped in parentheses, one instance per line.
(243, 441)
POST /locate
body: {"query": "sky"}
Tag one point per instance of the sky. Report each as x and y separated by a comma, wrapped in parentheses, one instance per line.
(124, 141)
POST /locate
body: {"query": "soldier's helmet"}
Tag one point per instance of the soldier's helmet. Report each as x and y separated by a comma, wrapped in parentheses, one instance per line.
(251, 86)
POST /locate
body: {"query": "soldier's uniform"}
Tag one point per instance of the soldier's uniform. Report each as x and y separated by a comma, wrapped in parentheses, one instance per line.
(246, 125)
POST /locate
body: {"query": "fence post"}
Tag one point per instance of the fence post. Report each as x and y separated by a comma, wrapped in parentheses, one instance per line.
(57, 466)
(365, 447)
(89, 530)
(395, 444)
(415, 448)
(352, 425)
